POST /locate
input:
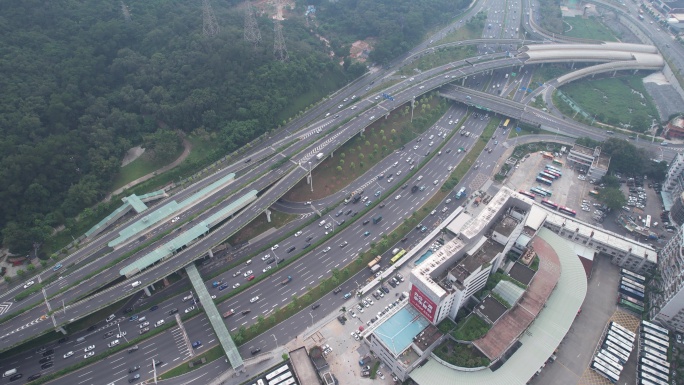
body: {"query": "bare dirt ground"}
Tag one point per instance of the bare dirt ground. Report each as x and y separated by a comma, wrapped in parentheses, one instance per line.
(132, 154)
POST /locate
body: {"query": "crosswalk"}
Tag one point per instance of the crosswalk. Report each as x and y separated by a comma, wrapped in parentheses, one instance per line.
(180, 341)
(318, 148)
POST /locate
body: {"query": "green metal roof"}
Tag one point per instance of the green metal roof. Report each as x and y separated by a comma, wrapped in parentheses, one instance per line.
(135, 201)
(104, 222)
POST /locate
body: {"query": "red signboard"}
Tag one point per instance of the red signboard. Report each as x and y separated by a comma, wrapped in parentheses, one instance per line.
(424, 304)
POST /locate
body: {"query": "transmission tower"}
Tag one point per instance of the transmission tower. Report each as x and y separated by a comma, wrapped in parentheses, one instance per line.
(252, 33)
(279, 49)
(126, 12)
(210, 26)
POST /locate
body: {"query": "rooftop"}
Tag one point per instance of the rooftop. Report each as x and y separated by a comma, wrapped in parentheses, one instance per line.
(303, 367)
(457, 224)
(463, 268)
(582, 150)
(536, 218)
(398, 331)
(491, 309)
(602, 162)
(521, 273)
(506, 226)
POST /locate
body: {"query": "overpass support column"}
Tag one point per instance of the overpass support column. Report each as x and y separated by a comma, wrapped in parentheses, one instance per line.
(61, 330)
(147, 291)
(211, 254)
(268, 215)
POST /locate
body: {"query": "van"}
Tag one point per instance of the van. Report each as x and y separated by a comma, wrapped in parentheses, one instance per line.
(110, 318)
(80, 339)
(321, 223)
(431, 137)
(9, 372)
(136, 283)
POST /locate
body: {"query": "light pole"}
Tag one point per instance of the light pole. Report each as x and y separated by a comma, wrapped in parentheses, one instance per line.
(276, 340)
(154, 369)
(276, 257)
(310, 177)
(312, 322)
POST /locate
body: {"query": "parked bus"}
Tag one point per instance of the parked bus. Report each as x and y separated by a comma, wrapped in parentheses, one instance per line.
(290, 381)
(549, 167)
(600, 367)
(644, 381)
(653, 379)
(647, 223)
(505, 125)
(622, 334)
(607, 357)
(620, 338)
(634, 283)
(609, 365)
(540, 191)
(662, 369)
(631, 306)
(656, 328)
(621, 356)
(656, 360)
(659, 338)
(276, 372)
(623, 329)
(650, 344)
(547, 176)
(527, 194)
(280, 378)
(622, 344)
(544, 181)
(662, 344)
(548, 192)
(633, 276)
(653, 352)
(632, 300)
(397, 256)
(547, 155)
(616, 346)
(631, 292)
(557, 162)
(567, 211)
(557, 175)
(655, 373)
(549, 204)
(612, 356)
(629, 285)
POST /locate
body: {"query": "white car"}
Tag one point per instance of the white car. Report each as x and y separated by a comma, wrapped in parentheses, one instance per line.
(89, 354)
(236, 285)
(247, 274)
(159, 323)
(265, 257)
(396, 198)
(191, 308)
(29, 284)
(254, 299)
(274, 247)
(68, 354)
(113, 343)
(89, 348)
(326, 249)
(298, 233)
(142, 325)
(267, 268)
(121, 335)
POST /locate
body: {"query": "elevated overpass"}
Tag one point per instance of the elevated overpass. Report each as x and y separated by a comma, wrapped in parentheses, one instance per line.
(290, 173)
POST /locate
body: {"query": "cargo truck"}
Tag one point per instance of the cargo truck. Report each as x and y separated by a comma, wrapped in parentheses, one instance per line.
(374, 262)
(229, 313)
(377, 219)
(286, 280)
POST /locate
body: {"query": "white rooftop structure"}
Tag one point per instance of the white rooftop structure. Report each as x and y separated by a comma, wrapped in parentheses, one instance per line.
(458, 223)
(536, 218)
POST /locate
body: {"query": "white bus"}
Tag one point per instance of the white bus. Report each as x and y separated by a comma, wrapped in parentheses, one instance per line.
(647, 222)
(600, 369)
(655, 327)
(616, 325)
(649, 337)
(629, 344)
(280, 378)
(632, 275)
(653, 345)
(654, 380)
(621, 356)
(607, 365)
(610, 360)
(654, 352)
(655, 359)
(654, 373)
(655, 366)
(634, 283)
(622, 334)
(617, 347)
(276, 372)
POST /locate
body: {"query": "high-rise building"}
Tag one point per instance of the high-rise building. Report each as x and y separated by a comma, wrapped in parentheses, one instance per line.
(667, 296)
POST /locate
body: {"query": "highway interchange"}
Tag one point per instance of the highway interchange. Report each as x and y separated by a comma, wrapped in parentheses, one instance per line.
(171, 350)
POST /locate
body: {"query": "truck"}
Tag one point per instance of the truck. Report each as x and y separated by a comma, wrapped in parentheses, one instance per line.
(319, 156)
(414, 188)
(375, 268)
(229, 313)
(374, 262)
(286, 280)
(377, 219)
(461, 193)
(396, 250)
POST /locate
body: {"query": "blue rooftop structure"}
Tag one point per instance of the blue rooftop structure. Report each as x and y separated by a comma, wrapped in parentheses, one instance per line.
(398, 331)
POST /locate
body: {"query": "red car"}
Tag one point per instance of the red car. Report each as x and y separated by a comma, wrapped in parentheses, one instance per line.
(251, 277)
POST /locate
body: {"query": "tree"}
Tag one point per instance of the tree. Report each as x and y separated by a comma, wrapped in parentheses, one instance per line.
(612, 197)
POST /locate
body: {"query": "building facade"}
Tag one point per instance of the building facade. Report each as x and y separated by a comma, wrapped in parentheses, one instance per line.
(667, 300)
(589, 160)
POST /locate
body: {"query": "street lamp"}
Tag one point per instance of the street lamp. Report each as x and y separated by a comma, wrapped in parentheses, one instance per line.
(276, 340)
(275, 256)
(312, 322)
(154, 369)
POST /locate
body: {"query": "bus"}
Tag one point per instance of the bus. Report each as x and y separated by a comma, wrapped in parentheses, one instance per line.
(540, 191)
(662, 369)
(653, 379)
(549, 204)
(547, 155)
(634, 283)
(644, 381)
(653, 352)
(655, 373)
(633, 300)
(544, 181)
(276, 372)
(615, 346)
(656, 328)
(633, 276)
(631, 306)
(280, 378)
(398, 256)
(567, 211)
(622, 334)
(505, 125)
(557, 175)
(619, 338)
(557, 162)
(631, 292)
(622, 344)
(594, 193)
(547, 176)
(549, 167)
(600, 369)
(655, 338)
(290, 381)
(650, 344)
(620, 355)
(609, 365)
(629, 285)
(647, 223)
(527, 194)
(623, 329)
(656, 360)
(607, 357)
(607, 368)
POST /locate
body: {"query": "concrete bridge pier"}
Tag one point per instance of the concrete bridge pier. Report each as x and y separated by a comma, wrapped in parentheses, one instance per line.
(268, 215)
(147, 291)
(211, 254)
(61, 330)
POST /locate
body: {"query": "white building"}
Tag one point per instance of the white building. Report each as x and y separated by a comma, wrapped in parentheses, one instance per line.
(667, 302)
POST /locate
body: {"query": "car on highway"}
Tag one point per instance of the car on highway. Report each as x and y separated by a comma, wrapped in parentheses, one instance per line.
(191, 308)
(265, 257)
(223, 287)
(344, 244)
(298, 233)
(267, 268)
(315, 306)
(251, 277)
(121, 335)
(274, 247)
(237, 284)
(134, 378)
(367, 233)
(326, 249)
(196, 344)
(142, 325)
(144, 330)
(247, 274)
(153, 308)
(396, 198)
(133, 318)
(110, 318)
(89, 348)
(47, 365)
(159, 323)
(31, 377)
(237, 273)
(254, 299)
(255, 351)
(68, 354)
(113, 343)
(134, 369)
(57, 267)
(108, 334)
(29, 284)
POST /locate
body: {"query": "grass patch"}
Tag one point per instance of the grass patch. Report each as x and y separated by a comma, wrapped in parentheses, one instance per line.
(549, 71)
(469, 31)
(260, 225)
(142, 166)
(210, 355)
(470, 329)
(329, 82)
(535, 263)
(439, 57)
(619, 101)
(446, 326)
(588, 28)
(463, 355)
